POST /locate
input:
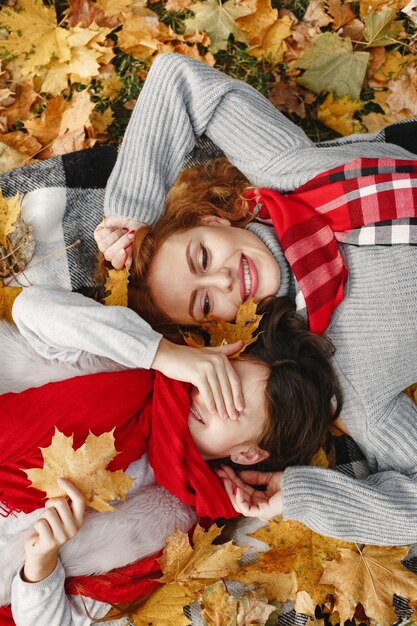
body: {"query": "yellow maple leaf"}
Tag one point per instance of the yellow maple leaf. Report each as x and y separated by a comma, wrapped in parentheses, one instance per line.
(7, 296)
(296, 548)
(320, 459)
(165, 607)
(371, 577)
(221, 332)
(201, 563)
(9, 212)
(142, 35)
(257, 24)
(116, 285)
(273, 46)
(393, 66)
(278, 586)
(31, 21)
(10, 157)
(85, 467)
(337, 113)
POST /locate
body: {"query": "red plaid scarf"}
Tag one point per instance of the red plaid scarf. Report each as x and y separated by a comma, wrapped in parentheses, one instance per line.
(309, 221)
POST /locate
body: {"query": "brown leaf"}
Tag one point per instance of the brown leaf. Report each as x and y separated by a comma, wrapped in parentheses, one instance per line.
(19, 249)
(25, 96)
(370, 577)
(21, 141)
(141, 36)
(82, 13)
(46, 128)
(404, 92)
(373, 6)
(116, 287)
(178, 5)
(278, 586)
(290, 97)
(341, 13)
(85, 467)
(316, 13)
(68, 142)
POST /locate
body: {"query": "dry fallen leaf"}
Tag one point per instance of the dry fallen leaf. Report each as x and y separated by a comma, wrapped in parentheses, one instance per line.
(222, 609)
(201, 563)
(33, 22)
(404, 92)
(165, 607)
(85, 467)
(291, 97)
(221, 332)
(332, 65)
(9, 212)
(371, 577)
(296, 548)
(218, 20)
(337, 113)
(7, 296)
(116, 286)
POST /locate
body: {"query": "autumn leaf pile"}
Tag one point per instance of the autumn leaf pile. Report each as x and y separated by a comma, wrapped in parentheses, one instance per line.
(71, 70)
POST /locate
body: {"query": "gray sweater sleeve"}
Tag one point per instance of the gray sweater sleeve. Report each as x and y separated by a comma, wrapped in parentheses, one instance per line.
(183, 99)
(70, 327)
(380, 509)
(46, 604)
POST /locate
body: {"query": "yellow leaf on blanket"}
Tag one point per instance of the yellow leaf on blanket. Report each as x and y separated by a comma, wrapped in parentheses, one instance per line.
(296, 548)
(116, 286)
(165, 607)
(85, 467)
(372, 577)
(7, 297)
(9, 212)
(201, 563)
(221, 608)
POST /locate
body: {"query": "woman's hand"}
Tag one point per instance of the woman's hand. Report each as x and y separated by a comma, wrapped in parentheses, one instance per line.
(60, 522)
(249, 501)
(209, 370)
(114, 238)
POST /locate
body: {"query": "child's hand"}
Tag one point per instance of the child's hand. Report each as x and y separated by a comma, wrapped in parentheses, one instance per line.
(60, 522)
(249, 501)
(114, 238)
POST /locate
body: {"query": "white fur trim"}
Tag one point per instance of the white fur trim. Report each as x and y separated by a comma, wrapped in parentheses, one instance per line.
(106, 541)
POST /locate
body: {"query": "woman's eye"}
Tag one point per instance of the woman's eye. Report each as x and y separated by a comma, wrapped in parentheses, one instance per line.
(204, 258)
(206, 306)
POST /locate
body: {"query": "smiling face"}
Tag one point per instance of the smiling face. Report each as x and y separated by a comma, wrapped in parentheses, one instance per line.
(210, 270)
(218, 438)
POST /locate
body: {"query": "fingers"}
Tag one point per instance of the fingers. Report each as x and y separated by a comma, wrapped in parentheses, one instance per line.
(229, 349)
(255, 478)
(229, 474)
(225, 387)
(77, 500)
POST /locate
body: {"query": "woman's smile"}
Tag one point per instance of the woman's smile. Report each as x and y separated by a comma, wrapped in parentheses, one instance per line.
(248, 278)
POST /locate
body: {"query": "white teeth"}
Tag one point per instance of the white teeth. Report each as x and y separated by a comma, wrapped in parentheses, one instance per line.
(246, 275)
(196, 414)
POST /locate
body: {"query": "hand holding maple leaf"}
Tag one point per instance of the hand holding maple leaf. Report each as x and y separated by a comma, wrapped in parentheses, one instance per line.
(251, 502)
(59, 523)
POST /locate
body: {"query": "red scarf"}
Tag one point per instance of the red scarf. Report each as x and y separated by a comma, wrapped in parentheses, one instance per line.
(150, 413)
(307, 221)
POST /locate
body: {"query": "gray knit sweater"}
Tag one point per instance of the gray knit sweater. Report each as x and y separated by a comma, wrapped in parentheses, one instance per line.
(374, 329)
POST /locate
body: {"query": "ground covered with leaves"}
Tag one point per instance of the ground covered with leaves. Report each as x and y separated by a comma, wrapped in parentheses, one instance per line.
(71, 71)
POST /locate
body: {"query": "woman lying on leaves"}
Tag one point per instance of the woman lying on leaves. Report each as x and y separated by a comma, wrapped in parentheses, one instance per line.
(199, 264)
(165, 419)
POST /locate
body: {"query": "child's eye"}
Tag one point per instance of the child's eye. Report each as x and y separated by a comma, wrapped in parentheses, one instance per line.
(204, 257)
(206, 306)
